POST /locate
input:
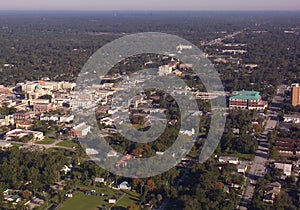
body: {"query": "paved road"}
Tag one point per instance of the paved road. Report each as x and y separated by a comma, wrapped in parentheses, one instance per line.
(258, 168)
(46, 146)
(166, 201)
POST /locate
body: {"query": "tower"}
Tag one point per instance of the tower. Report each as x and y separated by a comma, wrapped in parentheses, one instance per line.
(295, 94)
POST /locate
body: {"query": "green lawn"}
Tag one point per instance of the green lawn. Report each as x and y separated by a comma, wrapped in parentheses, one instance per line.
(86, 202)
(241, 156)
(67, 143)
(128, 199)
(16, 145)
(89, 202)
(46, 140)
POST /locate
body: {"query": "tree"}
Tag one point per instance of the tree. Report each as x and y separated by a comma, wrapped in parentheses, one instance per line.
(138, 152)
(159, 197)
(133, 207)
(151, 185)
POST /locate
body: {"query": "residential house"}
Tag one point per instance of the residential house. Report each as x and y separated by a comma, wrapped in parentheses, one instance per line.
(227, 159)
(124, 186)
(285, 167)
(5, 145)
(271, 192)
(6, 120)
(292, 118)
(66, 169)
(66, 119)
(242, 168)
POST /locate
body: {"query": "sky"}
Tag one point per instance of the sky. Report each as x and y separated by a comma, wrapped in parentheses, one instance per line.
(149, 5)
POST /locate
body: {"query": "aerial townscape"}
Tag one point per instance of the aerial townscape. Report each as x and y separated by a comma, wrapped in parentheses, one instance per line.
(44, 160)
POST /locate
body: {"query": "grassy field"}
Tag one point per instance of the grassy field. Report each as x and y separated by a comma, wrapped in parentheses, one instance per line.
(46, 140)
(16, 145)
(241, 156)
(86, 202)
(89, 202)
(128, 199)
(67, 143)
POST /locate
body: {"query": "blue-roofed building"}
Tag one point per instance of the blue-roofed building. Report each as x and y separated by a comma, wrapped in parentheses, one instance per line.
(246, 99)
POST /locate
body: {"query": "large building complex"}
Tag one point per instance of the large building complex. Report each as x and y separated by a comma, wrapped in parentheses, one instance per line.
(295, 94)
(247, 100)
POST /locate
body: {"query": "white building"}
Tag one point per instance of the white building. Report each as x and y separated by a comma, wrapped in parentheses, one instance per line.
(19, 133)
(287, 168)
(124, 186)
(291, 118)
(66, 119)
(227, 159)
(5, 145)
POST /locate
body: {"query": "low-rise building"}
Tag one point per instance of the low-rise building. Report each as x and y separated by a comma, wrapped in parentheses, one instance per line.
(271, 192)
(285, 167)
(124, 186)
(42, 107)
(227, 159)
(22, 115)
(6, 120)
(291, 118)
(19, 133)
(242, 168)
(247, 100)
(24, 124)
(79, 131)
(5, 145)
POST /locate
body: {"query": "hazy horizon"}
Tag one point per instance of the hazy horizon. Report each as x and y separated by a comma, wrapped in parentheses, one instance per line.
(153, 5)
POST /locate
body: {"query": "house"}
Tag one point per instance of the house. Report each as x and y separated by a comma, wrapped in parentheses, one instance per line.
(285, 167)
(177, 73)
(6, 120)
(99, 180)
(227, 159)
(69, 195)
(34, 203)
(49, 118)
(251, 66)
(112, 201)
(286, 151)
(123, 161)
(298, 152)
(112, 153)
(79, 131)
(107, 121)
(286, 146)
(66, 119)
(5, 90)
(124, 186)
(5, 145)
(242, 168)
(291, 118)
(186, 67)
(91, 151)
(271, 192)
(66, 169)
(165, 70)
(184, 47)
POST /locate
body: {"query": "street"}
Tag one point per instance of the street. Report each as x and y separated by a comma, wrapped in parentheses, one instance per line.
(258, 168)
